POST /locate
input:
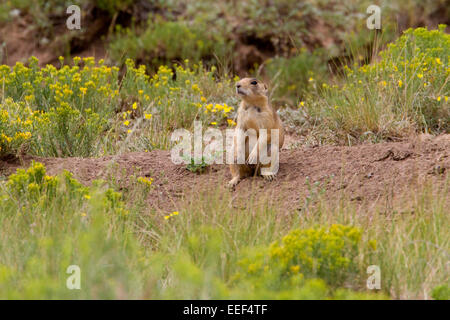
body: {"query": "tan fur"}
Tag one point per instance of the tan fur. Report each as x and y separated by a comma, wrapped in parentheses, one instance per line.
(255, 113)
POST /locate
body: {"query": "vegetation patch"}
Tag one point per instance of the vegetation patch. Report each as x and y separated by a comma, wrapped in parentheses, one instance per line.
(406, 91)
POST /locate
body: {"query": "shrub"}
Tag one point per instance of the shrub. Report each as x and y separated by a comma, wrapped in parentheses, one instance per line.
(326, 253)
(16, 125)
(82, 111)
(420, 57)
(92, 86)
(164, 42)
(32, 188)
(407, 90)
(67, 109)
(305, 264)
(441, 292)
(174, 98)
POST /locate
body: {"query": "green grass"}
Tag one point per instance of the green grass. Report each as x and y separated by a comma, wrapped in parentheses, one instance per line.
(208, 249)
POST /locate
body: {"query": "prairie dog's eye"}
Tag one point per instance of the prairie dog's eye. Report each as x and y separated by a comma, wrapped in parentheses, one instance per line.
(254, 82)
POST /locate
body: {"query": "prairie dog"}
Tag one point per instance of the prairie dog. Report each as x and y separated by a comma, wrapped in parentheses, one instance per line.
(254, 114)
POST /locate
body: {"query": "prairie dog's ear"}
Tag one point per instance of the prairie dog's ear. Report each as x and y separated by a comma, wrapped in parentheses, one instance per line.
(266, 89)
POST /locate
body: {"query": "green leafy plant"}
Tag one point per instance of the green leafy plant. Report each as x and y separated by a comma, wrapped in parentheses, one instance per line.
(197, 167)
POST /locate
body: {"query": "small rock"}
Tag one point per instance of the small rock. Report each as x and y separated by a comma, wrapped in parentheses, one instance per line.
(44, 41)
(14, 13)
(438, 169)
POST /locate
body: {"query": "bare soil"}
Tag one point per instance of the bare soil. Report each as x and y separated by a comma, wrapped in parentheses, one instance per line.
(22, 39)
(363, 173)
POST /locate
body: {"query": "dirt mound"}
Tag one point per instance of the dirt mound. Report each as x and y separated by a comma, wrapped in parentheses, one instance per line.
(365, 173)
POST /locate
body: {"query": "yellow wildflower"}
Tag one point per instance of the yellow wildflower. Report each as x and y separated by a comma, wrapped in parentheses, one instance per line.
(295, 269)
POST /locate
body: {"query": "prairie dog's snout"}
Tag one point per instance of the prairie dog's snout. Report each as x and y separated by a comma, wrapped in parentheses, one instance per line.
(250, 87)
(239, 89)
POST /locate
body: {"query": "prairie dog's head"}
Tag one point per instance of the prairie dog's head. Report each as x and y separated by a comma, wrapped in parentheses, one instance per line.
(251, 89)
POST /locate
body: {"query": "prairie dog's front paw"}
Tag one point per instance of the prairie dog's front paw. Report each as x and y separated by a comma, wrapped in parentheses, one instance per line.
(233, 182)
(268, 177)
